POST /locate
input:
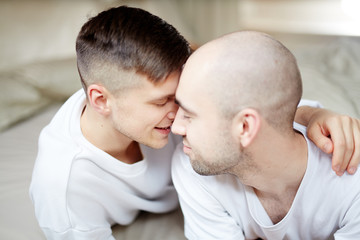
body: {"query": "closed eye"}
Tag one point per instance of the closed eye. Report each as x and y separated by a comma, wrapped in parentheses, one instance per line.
(161, 102)
(186, 116)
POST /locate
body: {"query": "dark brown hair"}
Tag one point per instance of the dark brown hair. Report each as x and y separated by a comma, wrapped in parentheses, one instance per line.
(129, 39)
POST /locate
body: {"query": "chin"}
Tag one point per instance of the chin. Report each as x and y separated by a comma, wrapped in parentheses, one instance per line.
(157, 144)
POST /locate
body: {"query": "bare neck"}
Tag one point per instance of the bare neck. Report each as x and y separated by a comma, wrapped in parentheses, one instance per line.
(99, 131)
(281, 164)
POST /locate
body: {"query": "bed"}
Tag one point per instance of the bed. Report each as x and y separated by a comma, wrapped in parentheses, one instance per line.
(33, 92)
(330, 75)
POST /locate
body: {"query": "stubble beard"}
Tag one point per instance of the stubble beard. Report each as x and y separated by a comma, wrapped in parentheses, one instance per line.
(227, 156)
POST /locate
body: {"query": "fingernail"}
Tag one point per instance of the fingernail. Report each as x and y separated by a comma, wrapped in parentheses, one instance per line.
(352, 170)
(337, 168)
(339, 173)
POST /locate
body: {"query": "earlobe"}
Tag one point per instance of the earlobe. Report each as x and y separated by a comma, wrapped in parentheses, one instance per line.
(98, 99)
(246, 126)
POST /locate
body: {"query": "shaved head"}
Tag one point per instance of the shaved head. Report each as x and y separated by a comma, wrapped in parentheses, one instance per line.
(248, 70)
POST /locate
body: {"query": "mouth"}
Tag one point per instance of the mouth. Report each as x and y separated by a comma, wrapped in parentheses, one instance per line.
(186, 148)
(163, 130)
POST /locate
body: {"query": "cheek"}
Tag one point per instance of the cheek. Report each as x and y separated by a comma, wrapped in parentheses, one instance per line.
(156, 114)
(139, 117)
(130, 117)
(204, 136)
(149, 116)
(196, 134)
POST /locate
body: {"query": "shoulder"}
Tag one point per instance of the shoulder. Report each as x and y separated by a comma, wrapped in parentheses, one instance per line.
(59, 139)
(51, 172)
(67, 118)
(57, 150)
(319, 174)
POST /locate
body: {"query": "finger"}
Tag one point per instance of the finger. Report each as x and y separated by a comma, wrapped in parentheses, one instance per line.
(335, 127)
(348, 132)
(355, 159)
(321, 138)
(344, 147)
(339, 162)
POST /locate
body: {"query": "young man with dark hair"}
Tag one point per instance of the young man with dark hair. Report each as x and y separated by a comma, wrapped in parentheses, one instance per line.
(106, 154)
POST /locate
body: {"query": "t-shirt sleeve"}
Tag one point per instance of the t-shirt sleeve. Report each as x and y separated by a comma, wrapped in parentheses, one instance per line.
(204, 216)
(350, 224)
(310, 103)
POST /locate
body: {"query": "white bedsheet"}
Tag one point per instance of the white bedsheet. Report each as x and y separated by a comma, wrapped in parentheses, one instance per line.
(18, 146)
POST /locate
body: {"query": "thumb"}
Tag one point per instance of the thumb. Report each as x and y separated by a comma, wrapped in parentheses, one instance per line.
(321, 138)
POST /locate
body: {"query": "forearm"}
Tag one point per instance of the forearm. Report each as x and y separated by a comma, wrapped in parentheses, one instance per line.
(304, 114)
(306, 110)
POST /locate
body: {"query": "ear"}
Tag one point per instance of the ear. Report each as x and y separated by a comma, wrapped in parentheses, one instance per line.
(99, 99)
(246, 125)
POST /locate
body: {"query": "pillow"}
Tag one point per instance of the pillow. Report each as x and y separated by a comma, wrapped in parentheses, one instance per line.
(18, 100)
(331, 74)
(55, 79)
(29, 88)
(318, 86)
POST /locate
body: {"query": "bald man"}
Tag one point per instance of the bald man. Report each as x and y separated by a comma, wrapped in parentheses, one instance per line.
(262, 177)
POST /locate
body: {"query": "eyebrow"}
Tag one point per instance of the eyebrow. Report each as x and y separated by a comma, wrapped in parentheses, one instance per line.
(177, 101)
(163, 98)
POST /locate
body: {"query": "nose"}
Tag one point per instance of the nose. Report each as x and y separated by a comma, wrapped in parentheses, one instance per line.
(171, 114)
(178, 126)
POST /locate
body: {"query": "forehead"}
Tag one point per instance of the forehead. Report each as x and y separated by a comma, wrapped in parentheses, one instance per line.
(149, 90)
(191, 92)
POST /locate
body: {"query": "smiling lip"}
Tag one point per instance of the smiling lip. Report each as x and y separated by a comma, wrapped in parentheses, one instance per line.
(164, 130)
(186, 149)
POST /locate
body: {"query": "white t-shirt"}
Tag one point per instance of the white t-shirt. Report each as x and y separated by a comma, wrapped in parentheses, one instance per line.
(221, 207)
(79, 191)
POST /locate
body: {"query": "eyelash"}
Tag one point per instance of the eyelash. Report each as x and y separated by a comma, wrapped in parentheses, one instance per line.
(161, 104)
(186, 117)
